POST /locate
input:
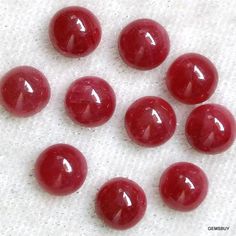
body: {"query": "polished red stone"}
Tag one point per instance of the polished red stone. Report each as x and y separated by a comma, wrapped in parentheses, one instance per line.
(75, 32)
(61, 169)
(121, 203)
(24, 91)
(192, 78)
(90, 101)
(150, 121)
(210, 128)
(144, 44)
(183, 186)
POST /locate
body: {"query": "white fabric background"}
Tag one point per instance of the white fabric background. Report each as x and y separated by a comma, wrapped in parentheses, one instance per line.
(204, 26)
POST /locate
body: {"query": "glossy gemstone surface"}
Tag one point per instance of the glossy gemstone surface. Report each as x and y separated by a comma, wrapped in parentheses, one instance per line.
(121, 203)
(24, 91)
(90, 101)
(183, 186)
(210, 128)
(150, 121)
(192, 78)
(75, 31)
(61, 169)
(144, 44)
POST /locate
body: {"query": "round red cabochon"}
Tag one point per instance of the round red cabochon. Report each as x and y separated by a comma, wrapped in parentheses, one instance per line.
(183, 186)
(24, 91)
(211, 128)
(90, 101)
(144, 44)
(192, 78)
(121, 203)
(150, 121)
(75, 31)
(61, 169)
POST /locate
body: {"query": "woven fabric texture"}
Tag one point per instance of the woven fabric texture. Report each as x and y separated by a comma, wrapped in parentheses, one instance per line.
(204, 26)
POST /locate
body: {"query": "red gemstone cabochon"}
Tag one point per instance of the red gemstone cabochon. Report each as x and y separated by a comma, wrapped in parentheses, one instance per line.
(75, 31)
(90, 101)
(192, 78)
(183, 186)
(211, 128)
(121, 203)
(61, 169)
(144, 44)
(150, 121)
(24, 91)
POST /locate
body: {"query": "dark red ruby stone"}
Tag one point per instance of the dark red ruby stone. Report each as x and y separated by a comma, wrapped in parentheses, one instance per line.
(192, 78)
(24, 91)
(75, 32)
(210, 128)
(90, 101)
(61, 169)
(121, 203)
(144, 44)
(183, 186)
(150, 121)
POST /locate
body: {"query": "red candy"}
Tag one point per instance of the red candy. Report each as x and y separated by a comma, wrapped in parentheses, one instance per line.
(192, 78)
(121, 203)
(150, 121)
(90, 101)
(210, 128)
(144, 44)
(183, 186)
(24, 91)
(75, 32)
(61, 169)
